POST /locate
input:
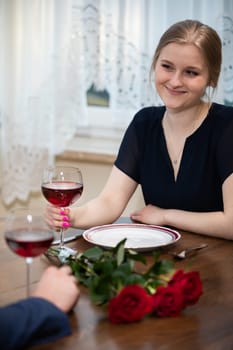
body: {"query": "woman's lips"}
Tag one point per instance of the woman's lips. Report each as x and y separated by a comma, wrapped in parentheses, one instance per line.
(175, 92)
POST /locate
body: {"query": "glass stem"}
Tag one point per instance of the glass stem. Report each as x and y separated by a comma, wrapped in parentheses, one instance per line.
(62, 235)
(28, 264)
(62, 238)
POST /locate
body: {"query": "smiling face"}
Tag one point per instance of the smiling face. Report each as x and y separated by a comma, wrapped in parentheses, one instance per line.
(181, 76)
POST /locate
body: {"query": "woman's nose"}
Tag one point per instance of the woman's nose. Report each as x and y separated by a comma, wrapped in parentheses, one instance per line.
(176, 79)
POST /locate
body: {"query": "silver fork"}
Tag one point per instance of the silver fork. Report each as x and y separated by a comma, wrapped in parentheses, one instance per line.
(187, 252)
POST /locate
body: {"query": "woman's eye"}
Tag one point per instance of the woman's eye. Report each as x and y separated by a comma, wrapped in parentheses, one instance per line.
(191, 73)
(166, 66)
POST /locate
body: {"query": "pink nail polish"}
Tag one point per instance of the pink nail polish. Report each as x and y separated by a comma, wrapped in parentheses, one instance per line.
(62, 211)
(65, 224)
(65, 218)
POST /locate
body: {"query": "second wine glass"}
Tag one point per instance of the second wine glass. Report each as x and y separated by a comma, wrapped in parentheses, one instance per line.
(27, 235)
(62, 186)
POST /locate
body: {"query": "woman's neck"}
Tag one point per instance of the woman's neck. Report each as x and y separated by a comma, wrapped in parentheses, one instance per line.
(186, 121)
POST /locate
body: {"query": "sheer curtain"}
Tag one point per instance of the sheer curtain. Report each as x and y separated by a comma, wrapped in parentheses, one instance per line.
(53, 51)
(38, 111)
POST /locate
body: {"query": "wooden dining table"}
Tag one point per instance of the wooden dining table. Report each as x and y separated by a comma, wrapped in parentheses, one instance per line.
(206, 325)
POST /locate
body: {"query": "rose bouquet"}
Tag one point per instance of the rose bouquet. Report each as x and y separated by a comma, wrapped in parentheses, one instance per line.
(112, 278)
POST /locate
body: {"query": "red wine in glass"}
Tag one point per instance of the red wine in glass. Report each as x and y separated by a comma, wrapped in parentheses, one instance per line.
(28, 244)
(62, 194)
(62, 186)
(27, 235)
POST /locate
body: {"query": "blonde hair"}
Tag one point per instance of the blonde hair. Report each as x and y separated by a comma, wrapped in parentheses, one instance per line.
(200, 35)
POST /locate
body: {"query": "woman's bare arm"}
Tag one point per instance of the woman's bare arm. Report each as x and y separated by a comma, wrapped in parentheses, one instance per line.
(104, 209)
(216, 224)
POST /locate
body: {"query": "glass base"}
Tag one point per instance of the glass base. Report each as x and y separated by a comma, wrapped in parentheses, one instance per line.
(65, 252)
(62, 254)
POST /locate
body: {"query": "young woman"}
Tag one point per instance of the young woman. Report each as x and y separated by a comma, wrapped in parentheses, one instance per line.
(180, 153)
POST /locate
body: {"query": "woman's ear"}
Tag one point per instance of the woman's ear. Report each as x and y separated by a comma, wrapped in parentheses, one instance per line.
(212, 84)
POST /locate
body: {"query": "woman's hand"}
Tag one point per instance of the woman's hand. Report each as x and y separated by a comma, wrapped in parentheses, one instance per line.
(150, 215)
(57, 217)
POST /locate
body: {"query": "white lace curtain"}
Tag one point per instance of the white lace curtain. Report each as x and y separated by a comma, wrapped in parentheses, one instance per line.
(52, 51)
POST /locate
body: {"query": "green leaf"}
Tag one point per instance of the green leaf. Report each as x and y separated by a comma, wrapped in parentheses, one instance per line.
(94, 253)
(119, 244)
(135, 279)
(120, 254)
(135, 256)
(104, 268)
(160, 267)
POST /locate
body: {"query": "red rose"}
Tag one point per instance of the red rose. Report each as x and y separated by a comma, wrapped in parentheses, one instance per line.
(168, 301)
(190, 284)
(130, 305)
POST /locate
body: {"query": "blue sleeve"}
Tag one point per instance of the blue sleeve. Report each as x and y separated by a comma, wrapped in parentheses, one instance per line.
(31, 321)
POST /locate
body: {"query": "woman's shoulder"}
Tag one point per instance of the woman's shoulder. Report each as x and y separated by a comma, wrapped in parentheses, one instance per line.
(222, 111)
(221, 119)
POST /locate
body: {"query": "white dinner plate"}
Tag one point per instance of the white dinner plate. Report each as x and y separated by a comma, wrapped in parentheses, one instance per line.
(139, 237)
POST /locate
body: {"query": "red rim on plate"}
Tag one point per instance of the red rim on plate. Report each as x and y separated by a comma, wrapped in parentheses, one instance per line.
(139, 237)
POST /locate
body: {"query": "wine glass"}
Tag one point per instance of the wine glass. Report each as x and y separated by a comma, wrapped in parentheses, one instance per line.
(62, 186)
(27, 235)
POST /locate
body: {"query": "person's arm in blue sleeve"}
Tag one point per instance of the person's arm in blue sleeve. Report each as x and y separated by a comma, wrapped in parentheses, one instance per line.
(31, 321)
